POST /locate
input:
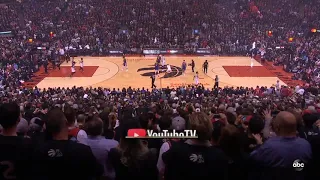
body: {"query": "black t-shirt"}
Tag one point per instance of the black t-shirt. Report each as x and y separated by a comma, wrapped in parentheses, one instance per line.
(64, 159)
(238, 166)
(117, 133)
(314, 140)
(155, 144)
(185, 161)
(37, 137)
(14, 154)
(144, 169)
(249, 143)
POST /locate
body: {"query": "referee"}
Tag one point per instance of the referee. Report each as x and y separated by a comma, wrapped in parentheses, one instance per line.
(216, 82)
(205, 66)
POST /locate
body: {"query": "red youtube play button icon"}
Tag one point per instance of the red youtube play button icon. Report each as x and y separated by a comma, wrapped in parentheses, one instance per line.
(136, 133)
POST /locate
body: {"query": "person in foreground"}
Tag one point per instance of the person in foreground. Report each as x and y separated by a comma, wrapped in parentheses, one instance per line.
(275, 158)
(100, 146)
(60, 158)
(196, 158)
(14, 150)
(132, 159)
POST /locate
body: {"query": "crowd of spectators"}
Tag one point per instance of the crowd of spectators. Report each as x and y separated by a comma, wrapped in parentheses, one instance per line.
(250, 133)
(81, 133)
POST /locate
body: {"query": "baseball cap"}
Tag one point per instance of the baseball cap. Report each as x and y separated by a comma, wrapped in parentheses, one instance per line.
(75, 106)
(36, 120)
(178, 123)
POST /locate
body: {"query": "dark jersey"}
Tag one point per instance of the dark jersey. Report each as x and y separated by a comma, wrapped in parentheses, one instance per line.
(143, 168)
(205, 64)
(184, 66)
(64, 159)
(14, 154)
(184, 161)
(158, 59)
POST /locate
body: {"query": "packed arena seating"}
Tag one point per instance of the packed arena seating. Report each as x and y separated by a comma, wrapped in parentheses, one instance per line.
(250, 133)
(226, 28)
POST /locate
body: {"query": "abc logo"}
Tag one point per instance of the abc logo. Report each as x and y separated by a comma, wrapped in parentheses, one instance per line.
(298, 165)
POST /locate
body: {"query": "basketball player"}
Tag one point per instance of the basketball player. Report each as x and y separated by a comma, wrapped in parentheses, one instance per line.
(196, 78)
(184, 67)
(169, 68)
(153, 79)
(158, 59)
(73, 68)
(192, 65)
(125, 65)
(251, 64)
(58, 62)
(163, 61)
(278, 85)
(205, 66)
(216, 82)
(156, 69)
(81, 64)
(67, 57)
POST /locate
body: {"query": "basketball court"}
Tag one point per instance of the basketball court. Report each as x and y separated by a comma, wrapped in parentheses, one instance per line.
(108, 72)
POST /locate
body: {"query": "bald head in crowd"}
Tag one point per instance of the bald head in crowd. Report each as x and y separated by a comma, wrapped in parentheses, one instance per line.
(285, 124)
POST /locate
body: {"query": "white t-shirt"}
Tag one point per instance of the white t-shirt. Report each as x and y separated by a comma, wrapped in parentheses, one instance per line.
(168, 67)
(300, 91)
(173, 94)
(61, 52)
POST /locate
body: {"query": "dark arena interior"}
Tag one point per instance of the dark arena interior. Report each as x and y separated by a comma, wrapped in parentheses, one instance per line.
(159, 89)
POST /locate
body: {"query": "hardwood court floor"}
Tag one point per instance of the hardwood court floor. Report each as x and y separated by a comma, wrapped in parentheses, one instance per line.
(111, 74)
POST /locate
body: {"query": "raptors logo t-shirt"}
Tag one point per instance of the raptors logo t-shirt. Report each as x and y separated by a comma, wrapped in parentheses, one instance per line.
(187, 161)
(64, 159)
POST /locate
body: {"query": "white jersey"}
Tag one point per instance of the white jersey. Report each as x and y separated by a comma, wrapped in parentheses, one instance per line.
(81, 64)
(73, 69)
(163, 61)
(61, 52)
(169, 68)
(278, 86)
(196, 79)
